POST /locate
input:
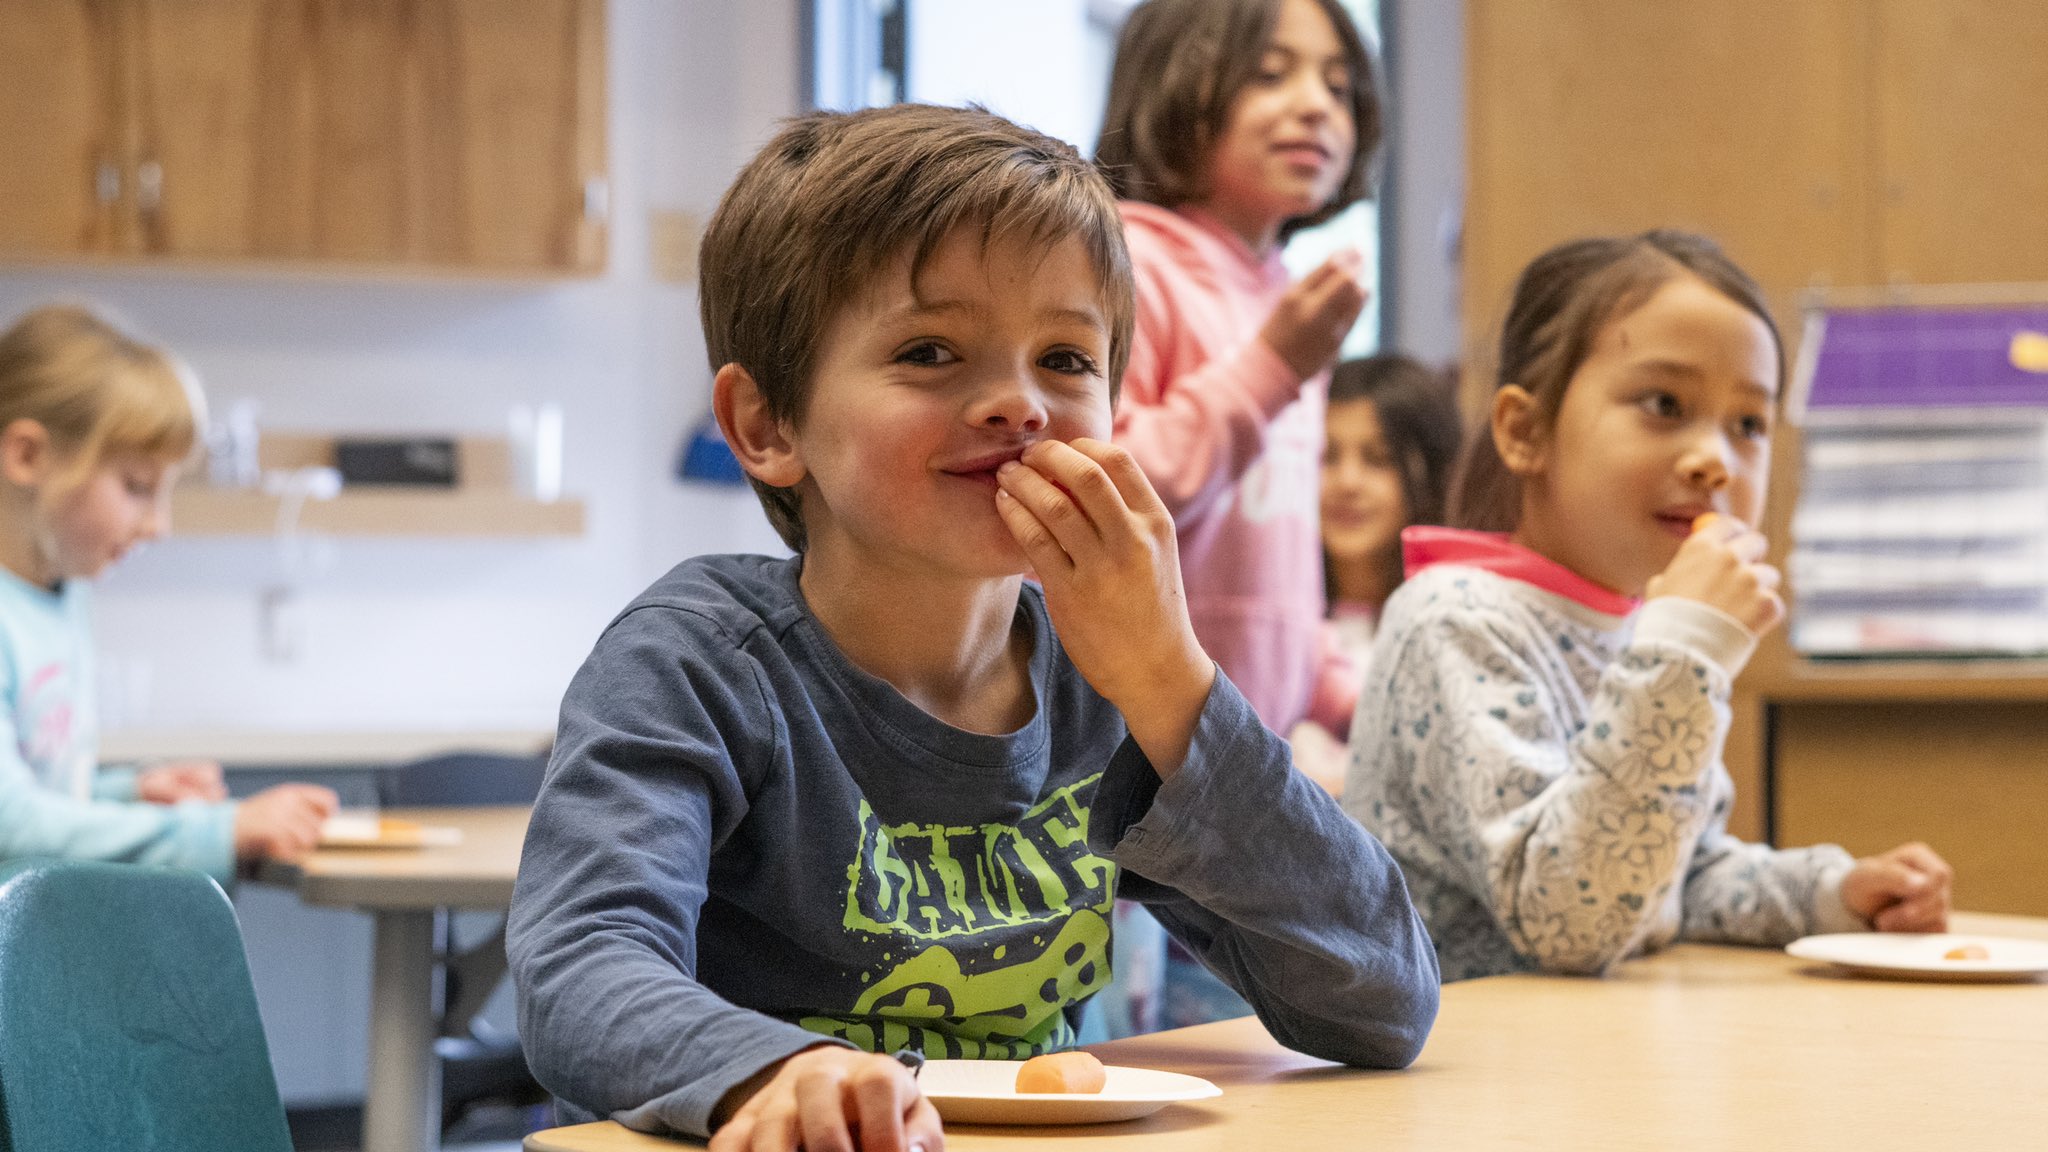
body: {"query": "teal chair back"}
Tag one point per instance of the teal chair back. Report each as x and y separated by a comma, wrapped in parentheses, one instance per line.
(127, 1019)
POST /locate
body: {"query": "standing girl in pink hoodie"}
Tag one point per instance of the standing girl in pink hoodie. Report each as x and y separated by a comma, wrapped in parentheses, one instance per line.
(1230, 124)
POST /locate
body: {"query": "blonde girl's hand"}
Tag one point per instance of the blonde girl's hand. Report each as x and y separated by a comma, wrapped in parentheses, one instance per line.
(1722, 566)
(282, 823)
(833, 1099)
(1903, 890)
(175, 781)
(1104, 549)
(1308, 325)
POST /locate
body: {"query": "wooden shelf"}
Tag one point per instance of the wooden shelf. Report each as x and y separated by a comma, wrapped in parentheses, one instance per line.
(483, 503)
(200, 510)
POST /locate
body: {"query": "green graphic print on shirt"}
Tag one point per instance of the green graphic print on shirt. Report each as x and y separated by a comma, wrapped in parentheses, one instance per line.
(1004, 924)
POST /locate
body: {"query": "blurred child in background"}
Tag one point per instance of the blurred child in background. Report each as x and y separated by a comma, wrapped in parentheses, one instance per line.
(1390, 438)
(1230, 124)
(93, 428)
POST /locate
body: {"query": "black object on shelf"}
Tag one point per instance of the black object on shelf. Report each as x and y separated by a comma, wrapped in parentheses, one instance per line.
(413, 462)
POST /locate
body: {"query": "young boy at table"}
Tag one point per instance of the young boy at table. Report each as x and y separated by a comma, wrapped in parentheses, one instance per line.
(881, 795)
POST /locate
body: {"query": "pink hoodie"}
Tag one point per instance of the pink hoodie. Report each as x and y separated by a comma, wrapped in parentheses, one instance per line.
(1233, 440)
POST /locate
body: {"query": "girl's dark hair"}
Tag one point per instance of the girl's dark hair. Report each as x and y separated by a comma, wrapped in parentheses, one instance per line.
(1562, 300)
(1179, 66)
(1417, 408)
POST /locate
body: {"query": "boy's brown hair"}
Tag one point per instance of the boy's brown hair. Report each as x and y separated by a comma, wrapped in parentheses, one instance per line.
(1179, 66)
(1562, 300)
(836, 197)
(96, 389)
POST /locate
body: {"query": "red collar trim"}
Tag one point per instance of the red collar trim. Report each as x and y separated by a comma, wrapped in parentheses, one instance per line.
(1493, 552)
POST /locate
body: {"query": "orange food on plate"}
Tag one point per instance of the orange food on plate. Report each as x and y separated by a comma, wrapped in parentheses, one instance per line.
(1967, 952)
(1064, 1072)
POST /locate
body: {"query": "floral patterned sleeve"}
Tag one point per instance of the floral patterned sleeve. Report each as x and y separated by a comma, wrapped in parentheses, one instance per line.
(1573, 821)
(1743, 893)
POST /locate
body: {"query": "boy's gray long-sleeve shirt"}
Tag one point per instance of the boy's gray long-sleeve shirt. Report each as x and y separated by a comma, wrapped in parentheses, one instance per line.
(746, 846)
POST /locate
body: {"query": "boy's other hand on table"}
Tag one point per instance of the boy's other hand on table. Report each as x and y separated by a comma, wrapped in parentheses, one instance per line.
(1903, 890)
(175, 781)
(832, 1099)
(1103, 546)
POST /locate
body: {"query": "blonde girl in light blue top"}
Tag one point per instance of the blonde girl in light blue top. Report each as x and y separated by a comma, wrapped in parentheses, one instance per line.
(93, 428)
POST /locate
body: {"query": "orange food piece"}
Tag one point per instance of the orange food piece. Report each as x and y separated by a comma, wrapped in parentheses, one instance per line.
(1063, 1072)
(1967, 952)
(1703, 519)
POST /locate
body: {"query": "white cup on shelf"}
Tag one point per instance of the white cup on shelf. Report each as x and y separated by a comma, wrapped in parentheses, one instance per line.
(536, 442)
(233, 447)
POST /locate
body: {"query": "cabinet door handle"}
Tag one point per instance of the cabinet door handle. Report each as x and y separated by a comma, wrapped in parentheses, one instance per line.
(597, 199)
(149, 185)
(107, 182)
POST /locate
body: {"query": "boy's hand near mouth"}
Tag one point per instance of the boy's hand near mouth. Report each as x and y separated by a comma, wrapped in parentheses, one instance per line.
(1103, 547)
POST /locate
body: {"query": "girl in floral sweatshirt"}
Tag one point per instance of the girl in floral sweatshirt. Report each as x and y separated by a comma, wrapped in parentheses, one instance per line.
(1539, 738)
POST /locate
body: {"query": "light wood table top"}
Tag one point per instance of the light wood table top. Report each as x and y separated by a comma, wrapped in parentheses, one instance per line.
(477, 873)
(1695, 1048)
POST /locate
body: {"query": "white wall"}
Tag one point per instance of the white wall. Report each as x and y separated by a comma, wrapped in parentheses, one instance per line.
(1425, 201)
(451, 634)
(1034, 61)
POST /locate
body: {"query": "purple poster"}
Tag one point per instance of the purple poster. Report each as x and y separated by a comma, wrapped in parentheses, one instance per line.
(1932, 358)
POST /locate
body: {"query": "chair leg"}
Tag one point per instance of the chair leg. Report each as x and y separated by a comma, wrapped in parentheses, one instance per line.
(472, 975)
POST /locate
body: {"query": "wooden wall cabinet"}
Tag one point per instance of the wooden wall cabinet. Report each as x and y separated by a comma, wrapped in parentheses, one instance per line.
(464, 135)
(62, 110)
(1964, 178)
(1824, 143)
(1739, 118)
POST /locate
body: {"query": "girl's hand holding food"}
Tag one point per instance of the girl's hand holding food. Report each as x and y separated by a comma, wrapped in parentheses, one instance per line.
(1722, 566)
